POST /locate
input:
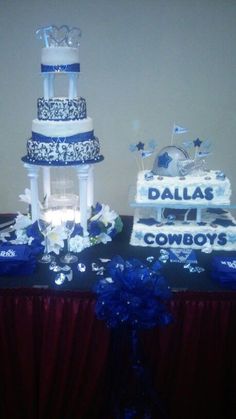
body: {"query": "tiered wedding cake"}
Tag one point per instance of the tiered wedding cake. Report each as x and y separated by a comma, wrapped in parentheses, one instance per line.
(63, 133)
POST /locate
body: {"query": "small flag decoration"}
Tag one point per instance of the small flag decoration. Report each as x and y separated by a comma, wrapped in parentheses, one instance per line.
(177, 129)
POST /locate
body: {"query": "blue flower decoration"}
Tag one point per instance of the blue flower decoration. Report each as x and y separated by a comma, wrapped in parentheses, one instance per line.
(94, 228)
(164, 160)
(96, 209)
(133, 295)
(77, 230)
(33, 231)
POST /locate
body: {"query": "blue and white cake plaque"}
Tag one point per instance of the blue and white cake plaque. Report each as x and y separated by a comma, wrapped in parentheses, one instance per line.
(182, 184)
(216, 232)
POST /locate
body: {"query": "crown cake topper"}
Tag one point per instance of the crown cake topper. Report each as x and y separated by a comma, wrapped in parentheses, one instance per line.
(61, 36)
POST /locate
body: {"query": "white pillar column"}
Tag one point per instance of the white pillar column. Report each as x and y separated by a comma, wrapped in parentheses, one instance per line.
(51, 84)
(46, 182)
(46, 86)
(90, 198)
(72, 93)
(199, 215)
(159, 214)
(83, 173)
(33, 172)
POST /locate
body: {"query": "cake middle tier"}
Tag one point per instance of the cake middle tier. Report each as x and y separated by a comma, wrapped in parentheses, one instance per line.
(61, 109)
(63, 142)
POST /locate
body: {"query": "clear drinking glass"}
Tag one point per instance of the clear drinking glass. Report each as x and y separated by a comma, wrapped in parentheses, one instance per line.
(45, 225)
(68, 223)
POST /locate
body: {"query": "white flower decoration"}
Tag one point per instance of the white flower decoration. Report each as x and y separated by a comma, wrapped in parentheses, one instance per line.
(104, 238)
(106, 216)
(4, 236)
(79, 243)
(56, 239)
(57, 235)
(26, 197)
(21, 237)
(22, 221)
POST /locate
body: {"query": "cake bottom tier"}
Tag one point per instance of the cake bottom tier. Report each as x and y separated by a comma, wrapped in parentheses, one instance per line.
(74, 149)
(217, 230)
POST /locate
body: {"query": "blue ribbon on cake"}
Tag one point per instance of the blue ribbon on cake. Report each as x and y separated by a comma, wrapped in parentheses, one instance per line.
(16, 259)
(83, 136)
(68, 68)
(224, 270)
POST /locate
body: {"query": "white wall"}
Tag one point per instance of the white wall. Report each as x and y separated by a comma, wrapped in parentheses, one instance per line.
(145, 64)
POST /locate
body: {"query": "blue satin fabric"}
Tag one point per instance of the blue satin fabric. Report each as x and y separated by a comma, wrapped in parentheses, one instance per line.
(16, 259)
(224, 270)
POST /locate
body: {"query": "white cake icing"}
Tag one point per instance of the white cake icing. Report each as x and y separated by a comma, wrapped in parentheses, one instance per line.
(216, 232)
(207, 188)
(54, 56)
(62, 128)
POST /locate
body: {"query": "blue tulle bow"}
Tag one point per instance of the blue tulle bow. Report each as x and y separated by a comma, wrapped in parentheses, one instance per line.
(132, 294)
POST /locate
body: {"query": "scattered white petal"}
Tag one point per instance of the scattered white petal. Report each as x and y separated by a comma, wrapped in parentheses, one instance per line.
(104, 238)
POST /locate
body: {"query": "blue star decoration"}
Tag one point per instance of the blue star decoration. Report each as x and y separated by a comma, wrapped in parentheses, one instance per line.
(140, 146)
(164, 160)
(197, 142)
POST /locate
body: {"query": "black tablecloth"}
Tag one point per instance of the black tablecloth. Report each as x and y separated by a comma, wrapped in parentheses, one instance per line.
(178, 278)
(56, 356)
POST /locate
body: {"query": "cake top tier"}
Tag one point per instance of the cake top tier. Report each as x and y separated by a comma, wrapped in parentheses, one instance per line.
(61, 48)
(60, 59)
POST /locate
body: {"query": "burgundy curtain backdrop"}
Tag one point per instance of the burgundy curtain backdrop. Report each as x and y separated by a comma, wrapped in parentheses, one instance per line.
(53, 355)
(55, 363)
